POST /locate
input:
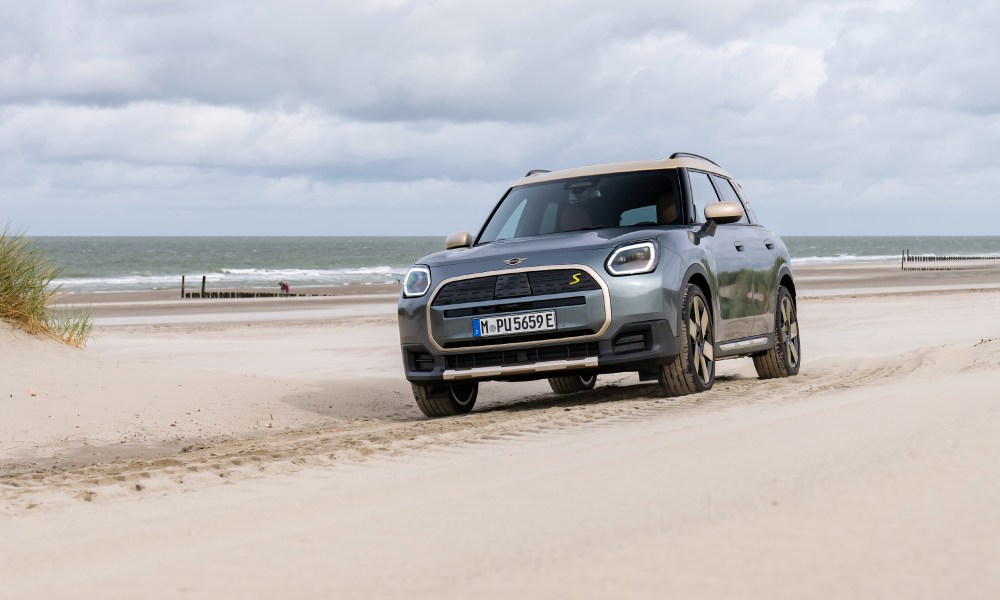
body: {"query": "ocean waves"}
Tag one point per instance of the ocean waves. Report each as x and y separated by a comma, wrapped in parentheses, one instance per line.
(844, 259)
(115, 264)
(234, 278)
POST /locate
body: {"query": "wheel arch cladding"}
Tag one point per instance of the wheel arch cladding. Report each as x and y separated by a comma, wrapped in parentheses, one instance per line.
(697, 278)
(701, 281)
(788, 283)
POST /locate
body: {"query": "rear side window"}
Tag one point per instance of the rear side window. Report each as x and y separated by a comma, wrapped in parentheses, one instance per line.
(728, 194)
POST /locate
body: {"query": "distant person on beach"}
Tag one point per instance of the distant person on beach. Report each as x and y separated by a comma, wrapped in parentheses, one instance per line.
(285, 289)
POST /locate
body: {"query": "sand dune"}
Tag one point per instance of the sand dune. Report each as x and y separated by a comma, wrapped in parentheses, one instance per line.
(280, 454)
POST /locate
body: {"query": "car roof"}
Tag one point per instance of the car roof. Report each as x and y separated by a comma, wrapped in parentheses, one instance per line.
(687, 162)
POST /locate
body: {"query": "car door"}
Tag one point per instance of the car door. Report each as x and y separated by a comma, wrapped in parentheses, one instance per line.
(760, 249)
(732, 265)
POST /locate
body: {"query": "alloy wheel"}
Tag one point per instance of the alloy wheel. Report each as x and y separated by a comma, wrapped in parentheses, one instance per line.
(789, 331)
(701, 340)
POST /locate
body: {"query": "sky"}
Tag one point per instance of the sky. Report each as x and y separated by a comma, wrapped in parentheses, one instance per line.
(396, 117)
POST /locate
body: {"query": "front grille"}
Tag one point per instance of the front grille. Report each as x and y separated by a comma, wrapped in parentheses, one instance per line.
(512, 286)
(526, 356)
(515, 285)
(467, 290)
(561, 281)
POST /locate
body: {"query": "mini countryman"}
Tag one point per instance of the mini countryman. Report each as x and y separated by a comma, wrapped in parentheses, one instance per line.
(658, 267)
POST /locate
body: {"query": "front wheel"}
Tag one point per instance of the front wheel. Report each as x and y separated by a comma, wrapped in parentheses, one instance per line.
(783, 359)
(572, 383)
(445, 400)
(694, 368)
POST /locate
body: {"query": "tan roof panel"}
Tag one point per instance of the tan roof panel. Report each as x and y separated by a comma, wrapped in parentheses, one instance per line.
(625, 167)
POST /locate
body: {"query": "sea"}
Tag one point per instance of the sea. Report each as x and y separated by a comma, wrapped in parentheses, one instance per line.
(113, 264)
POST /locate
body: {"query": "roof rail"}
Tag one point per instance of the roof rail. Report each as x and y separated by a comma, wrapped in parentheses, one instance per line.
(690, 155)
(537, 172)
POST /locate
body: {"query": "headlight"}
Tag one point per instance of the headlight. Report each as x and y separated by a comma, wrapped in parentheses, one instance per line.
(632, 259)
(418, 280)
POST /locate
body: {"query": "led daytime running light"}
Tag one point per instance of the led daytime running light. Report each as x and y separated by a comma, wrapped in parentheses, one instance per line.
(417, 282)
(632, 259)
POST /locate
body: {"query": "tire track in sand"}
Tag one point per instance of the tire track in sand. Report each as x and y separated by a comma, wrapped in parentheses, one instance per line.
(202, 465)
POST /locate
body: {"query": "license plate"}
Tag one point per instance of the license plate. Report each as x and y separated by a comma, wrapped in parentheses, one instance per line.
(509, 324)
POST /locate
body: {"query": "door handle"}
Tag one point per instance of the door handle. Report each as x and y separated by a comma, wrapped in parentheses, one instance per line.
(739, 246)
(769, 244)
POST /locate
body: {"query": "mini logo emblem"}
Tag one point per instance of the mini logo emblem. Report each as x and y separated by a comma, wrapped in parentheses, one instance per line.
(515, 261)
(576, 279)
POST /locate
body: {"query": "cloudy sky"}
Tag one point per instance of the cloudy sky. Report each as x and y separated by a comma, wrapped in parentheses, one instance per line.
(412, 117)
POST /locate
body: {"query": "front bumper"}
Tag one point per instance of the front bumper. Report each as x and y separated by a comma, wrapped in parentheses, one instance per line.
(610, 325)
(631, 347)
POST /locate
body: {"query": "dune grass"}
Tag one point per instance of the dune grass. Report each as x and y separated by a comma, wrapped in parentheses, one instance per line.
(25, 292)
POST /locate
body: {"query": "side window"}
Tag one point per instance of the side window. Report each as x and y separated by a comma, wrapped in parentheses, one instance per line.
(746, 202)
(728, 194)
(702, 193)
(510, 227)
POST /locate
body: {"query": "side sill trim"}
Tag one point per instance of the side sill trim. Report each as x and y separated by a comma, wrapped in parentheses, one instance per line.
(759, 341)
(539, 367)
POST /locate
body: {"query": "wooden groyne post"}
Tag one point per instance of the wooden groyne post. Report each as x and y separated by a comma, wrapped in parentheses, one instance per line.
(931, 262)
(239, 294)
(233, 294)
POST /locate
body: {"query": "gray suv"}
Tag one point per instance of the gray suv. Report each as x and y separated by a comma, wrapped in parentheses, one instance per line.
(657, 267)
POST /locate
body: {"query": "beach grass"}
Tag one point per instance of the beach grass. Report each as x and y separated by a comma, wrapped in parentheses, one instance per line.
(25, 292)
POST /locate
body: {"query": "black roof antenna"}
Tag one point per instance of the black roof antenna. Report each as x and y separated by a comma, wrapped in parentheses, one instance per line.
(537, 172)
(690, 155)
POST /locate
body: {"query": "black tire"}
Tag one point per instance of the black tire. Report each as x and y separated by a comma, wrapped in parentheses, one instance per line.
(445, 400)
(694, 368)
(783, 359)
(572, 383)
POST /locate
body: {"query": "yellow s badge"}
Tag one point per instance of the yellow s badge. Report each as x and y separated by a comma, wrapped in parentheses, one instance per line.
(576, 279)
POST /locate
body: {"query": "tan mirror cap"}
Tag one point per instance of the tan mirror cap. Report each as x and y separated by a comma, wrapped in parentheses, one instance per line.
(724, 212)
(462, 239)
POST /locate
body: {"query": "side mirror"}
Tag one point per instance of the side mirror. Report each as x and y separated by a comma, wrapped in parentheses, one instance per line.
(724, 212)
(462, 239)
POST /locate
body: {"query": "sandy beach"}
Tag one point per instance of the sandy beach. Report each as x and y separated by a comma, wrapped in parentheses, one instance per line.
(270, 448)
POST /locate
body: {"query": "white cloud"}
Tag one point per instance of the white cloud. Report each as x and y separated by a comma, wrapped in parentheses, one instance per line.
(241, 139)
(301, 115)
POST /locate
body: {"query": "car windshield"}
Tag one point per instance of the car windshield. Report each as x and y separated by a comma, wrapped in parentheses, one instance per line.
(638, 198)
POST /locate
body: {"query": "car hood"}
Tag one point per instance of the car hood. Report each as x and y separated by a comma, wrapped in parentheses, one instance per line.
(558, 248)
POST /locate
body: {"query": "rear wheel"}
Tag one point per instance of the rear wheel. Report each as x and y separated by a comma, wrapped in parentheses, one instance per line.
(783, 359)
(445, 400)
(694, 368)
(572, 383)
